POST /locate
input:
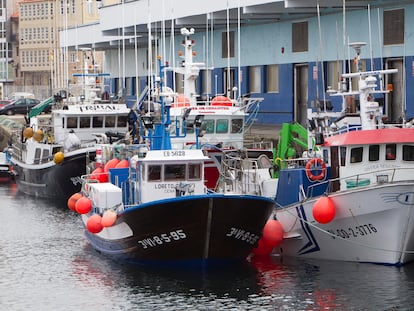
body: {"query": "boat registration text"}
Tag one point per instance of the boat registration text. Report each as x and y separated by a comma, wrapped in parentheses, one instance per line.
(353, 232)
(162, 238)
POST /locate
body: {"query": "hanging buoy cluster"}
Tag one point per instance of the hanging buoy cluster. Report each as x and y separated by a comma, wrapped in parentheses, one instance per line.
(272, 236)
(95, 223)
(101, 174)
(324, 210)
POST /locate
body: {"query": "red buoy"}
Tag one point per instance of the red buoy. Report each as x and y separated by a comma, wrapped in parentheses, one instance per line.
(83, 205)
(272, 233)
(108, 218)
(323, 210)
(99, 175)
(93, 224)
(262, 249)
(73, 199)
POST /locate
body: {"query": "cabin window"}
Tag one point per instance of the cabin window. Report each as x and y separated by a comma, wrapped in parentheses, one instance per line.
(97, 122)
(342, 151)
(356, 155)
(38, 153)
(390, 151)
(72, 123)
(84, 122)
(189, 126)
(236, 126)
(222, 126)
(408, 153)
(154, 172)
(45, 157)
(174, 172)
(207, 126)
(110, 121)
(194, 171)
(122, 121)
(374, 152)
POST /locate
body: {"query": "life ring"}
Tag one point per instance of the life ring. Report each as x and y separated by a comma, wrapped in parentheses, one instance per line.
(313, 164)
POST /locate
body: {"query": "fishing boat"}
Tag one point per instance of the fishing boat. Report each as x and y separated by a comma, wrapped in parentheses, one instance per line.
(223, 120)
(156, 209)
(53, 151)
(350, 197)
(6, 169)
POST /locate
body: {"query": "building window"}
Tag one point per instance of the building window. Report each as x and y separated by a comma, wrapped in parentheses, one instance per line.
(227, 44)
(255, 81)
(300, 37)
(272, 78)
(394, 27)
(334, 74)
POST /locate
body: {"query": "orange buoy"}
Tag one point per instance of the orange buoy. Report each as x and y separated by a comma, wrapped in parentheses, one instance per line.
(93, 224)
(221, 101)
(122, 164)
(83, 205)
(181, 101)
(323, 210)
(111, 164)
(272, 233)
(73, 199)
(28, 132)
(108, 218)
(58, 157)
(38, 135)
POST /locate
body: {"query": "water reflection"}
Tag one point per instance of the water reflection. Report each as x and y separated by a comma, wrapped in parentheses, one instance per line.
(47, 264)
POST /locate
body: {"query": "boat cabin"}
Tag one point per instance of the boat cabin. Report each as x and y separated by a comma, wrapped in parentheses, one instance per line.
(166, 174)
(87, 120)
(222, 125)
(367, 157)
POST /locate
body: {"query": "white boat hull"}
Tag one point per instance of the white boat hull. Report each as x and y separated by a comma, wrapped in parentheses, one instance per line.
(371, 224)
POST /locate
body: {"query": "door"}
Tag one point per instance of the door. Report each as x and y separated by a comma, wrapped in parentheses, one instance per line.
(301, 94)
(394, 101)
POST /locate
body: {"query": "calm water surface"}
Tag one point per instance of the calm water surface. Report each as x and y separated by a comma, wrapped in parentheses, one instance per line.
(47, 264)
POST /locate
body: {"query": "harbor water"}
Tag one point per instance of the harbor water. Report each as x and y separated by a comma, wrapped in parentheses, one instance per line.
(47, 264)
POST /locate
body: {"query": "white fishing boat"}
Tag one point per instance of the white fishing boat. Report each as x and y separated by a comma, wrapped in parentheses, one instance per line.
(351, 197)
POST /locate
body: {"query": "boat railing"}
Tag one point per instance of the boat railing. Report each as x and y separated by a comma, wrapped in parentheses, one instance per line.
(367, 179)
(240, 174)
(347, 129)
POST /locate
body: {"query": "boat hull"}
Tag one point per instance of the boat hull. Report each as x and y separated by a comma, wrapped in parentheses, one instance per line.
(186, 229)
(53, 181)
(371, 224)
